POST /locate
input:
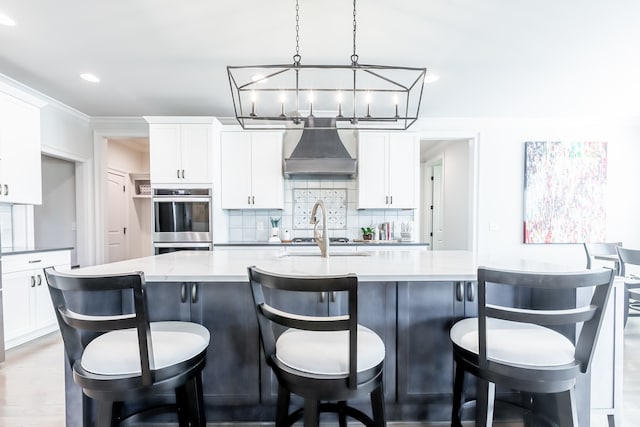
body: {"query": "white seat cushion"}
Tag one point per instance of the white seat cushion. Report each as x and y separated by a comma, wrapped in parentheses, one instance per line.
(117, 352)
(327, 353)
(515, 343)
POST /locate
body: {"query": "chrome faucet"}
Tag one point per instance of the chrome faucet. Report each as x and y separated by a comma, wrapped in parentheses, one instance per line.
(322, 241)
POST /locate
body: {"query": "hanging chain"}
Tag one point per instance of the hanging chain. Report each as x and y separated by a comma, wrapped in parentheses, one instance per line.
(296, 57)
(354, 57)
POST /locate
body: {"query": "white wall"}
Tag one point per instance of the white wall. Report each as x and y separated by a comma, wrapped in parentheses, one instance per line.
(501, 171)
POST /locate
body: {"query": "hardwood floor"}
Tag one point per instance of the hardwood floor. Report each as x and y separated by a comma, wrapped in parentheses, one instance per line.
(32, 382)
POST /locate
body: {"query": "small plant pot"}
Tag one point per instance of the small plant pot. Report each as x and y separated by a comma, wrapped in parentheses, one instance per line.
(367, 237)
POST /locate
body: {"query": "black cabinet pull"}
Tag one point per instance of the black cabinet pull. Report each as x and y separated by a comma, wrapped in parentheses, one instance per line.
(459, 291)
(182, 173)
(178, 173)
(6, 190)
(248, 200)
(33, 282)
(471, 292)
(183, 292)
(391, 200)
(253, 200)
(194, 293)
(39, 281)
(34, 261)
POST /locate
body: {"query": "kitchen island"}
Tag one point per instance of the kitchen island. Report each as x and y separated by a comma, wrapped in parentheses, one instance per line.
(410, 298)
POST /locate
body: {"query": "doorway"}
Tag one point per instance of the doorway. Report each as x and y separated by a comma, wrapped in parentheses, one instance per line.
(447, 189)
(54, 221)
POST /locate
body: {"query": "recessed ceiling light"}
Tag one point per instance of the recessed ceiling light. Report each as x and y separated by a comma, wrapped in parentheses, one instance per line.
(5, 20)
(90, 77)
(430, 78)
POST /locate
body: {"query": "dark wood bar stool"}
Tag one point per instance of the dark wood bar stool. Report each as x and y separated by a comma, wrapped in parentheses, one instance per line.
(517, 349)
(327, 360)
(122, 357)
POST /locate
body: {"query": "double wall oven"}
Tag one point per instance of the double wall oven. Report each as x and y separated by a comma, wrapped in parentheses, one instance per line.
(182, 220)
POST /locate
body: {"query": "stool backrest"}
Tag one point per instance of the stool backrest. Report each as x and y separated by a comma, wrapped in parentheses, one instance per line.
(628, 257)
(269, 315)
(590, 315)
(600, 249)
(79, 323)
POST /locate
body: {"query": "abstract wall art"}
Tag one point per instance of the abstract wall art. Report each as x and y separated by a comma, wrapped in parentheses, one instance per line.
(565, 192)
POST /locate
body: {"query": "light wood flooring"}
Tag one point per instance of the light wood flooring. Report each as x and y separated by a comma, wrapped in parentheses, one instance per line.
(32, 382)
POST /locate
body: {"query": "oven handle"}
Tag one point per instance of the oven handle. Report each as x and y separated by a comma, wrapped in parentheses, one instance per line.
(182, 199)
(182, 245)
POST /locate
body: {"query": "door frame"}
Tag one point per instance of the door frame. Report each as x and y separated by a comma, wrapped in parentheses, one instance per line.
(473, 139)
(103, 130)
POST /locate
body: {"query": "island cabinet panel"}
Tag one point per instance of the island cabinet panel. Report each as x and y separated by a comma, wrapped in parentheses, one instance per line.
(376, 311)
(231, 376)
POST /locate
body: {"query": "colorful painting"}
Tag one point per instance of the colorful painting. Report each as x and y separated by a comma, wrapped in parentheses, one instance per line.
(564, 192)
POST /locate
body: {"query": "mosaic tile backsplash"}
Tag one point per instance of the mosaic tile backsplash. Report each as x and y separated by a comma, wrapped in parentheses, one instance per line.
(340, 199)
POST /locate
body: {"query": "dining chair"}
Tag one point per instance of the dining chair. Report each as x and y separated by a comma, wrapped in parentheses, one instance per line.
(630, 259)
(518, 348)
(119, 358)
(326, 360)
(602, 251)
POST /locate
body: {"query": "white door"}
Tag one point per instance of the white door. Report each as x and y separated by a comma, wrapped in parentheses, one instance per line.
(117, 217)
(438, 226)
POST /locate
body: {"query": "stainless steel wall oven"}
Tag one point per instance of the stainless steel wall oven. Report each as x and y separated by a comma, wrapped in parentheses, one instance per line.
(182, 219)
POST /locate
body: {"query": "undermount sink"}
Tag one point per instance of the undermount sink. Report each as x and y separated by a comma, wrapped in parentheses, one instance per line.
(317, 254)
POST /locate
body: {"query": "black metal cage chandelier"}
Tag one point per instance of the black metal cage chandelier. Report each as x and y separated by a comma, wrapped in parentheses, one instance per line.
(354, 96)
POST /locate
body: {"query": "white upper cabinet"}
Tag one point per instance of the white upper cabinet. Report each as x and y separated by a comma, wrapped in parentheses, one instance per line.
(388, 166)
(20, 162)
(252, 170)
(180, 153)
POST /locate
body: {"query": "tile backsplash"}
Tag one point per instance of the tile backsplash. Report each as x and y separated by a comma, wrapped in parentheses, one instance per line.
(300, 195)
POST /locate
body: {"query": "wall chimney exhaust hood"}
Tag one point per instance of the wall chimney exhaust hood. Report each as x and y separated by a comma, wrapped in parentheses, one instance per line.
(320, 153)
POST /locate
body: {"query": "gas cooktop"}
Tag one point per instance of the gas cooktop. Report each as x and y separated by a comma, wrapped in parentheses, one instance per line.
(311, 240)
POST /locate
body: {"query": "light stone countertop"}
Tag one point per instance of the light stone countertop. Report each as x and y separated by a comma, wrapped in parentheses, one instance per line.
(231, 266)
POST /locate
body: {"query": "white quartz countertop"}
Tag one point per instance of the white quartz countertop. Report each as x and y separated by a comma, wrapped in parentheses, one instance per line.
(231, 266)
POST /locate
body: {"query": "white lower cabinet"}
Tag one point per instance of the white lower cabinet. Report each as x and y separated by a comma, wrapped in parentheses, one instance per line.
(27, 307)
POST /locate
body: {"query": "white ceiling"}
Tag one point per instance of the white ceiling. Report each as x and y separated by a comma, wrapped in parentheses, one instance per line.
(168, 57)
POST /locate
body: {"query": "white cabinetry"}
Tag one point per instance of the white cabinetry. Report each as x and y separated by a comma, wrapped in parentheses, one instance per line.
(252, 170)
(180, 153)
(388, 165)
(27, 307)
(20, 163)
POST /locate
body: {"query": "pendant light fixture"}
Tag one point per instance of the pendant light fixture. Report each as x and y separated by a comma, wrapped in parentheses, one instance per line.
(353, 96)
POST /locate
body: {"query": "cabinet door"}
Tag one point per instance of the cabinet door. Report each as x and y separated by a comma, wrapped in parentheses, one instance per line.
(43, 312)
(402, 170)
(235, 181)
(164, 153)
(267, 183)
(231, 376)
(372, 164)
(17, 289)
(196, 153)
(426, 312)
(20, 152)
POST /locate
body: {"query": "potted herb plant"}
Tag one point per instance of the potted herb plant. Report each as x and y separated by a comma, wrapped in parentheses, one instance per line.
(367, 233)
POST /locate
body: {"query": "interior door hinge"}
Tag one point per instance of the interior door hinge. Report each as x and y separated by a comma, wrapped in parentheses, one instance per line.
(431, 207)
(431, 178)
(123, 189)
(431, 234)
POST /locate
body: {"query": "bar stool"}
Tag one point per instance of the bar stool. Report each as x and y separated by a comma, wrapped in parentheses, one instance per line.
(515, 347)
(628, 258)
(122, 357)
(320, 358)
